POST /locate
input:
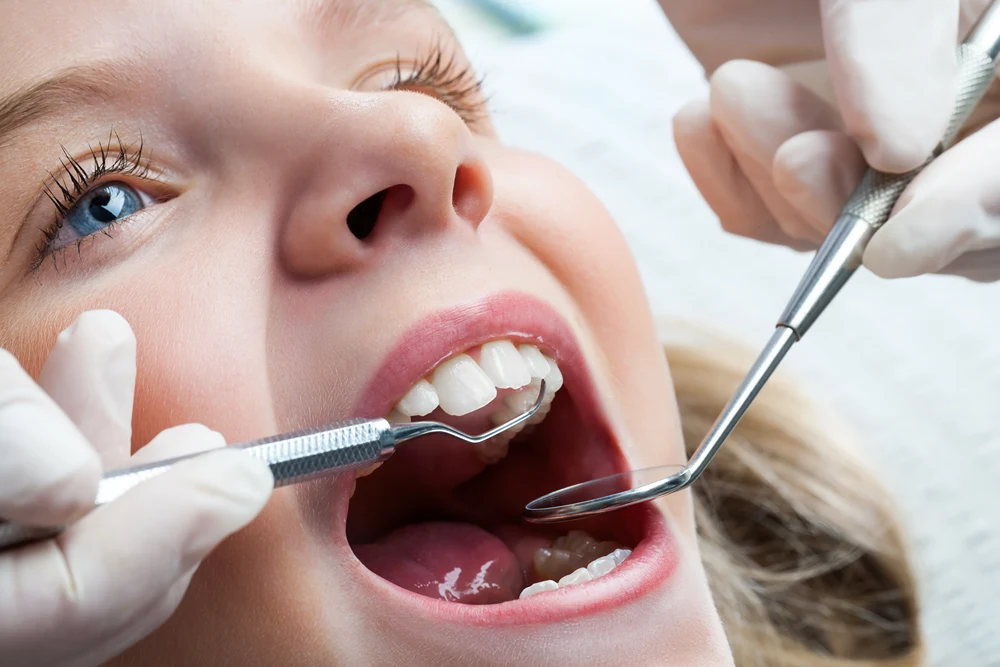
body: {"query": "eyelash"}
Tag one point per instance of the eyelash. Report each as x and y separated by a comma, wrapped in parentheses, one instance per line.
(113, 158)
(455, 84)
(451, 82)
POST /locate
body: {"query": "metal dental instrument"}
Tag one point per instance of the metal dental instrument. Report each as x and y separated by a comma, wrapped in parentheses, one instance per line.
(835, 262)
(293, 457)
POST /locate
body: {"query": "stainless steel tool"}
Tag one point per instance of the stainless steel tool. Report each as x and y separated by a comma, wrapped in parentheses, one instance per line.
(293, 457)
(836, 261)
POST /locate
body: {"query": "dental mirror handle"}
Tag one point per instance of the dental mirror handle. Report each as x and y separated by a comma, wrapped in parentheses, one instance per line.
(293, 457)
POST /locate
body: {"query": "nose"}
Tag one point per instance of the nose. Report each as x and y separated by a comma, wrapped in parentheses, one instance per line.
(389, 166)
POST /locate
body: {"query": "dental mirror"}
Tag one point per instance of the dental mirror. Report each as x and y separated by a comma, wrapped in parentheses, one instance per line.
(606, 493)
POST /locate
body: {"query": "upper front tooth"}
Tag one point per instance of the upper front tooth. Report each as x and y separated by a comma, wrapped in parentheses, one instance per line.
(504, 365)
(462, 386)
(534, 360)
(420, 400)
(554, 379)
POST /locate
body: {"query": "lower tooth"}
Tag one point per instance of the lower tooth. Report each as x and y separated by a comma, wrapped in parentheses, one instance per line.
(543, 411)
(620, 555)
(522, 400)
(554, 563)
(540, 587)
(595, 569)
(578, 576)
(574, 550)
(601, 566)
(493, 450)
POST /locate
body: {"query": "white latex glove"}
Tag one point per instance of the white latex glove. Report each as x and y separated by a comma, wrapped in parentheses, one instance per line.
(118, 573)
(781, 142)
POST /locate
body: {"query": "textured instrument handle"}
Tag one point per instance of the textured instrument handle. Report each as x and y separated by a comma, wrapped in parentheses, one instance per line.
(293, 457)
(876, 195)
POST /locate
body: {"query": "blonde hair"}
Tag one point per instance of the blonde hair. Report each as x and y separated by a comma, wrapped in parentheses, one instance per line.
(805, 556)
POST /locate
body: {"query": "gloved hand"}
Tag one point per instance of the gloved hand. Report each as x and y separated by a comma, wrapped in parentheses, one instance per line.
(118, 573)
(782, 142)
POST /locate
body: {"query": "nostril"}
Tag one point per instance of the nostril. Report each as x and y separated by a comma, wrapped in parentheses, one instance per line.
(472, 193)
(362, 218)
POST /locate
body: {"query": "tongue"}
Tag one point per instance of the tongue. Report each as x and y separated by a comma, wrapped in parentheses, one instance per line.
(457, 562)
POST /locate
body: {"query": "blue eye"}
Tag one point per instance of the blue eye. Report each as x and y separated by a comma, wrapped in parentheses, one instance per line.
(97, 210)
(102, 206)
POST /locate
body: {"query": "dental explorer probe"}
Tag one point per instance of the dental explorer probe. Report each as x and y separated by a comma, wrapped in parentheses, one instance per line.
(294, 457)
(840, 255)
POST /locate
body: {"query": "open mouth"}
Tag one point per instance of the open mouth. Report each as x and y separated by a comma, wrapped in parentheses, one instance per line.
(442, 519)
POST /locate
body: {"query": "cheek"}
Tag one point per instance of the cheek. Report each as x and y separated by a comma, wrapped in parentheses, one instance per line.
(199, 318)
(566, 227)
(201, 355)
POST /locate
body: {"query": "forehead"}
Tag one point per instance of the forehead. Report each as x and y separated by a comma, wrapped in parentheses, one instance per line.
(41, 37)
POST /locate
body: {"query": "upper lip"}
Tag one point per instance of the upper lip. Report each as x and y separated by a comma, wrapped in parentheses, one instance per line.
(520, 318)
(511, 315)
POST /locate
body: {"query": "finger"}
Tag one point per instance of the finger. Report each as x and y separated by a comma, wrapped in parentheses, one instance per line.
(757, 109)
(721, 181)
(112, 578)
(816, 172)
(951, 208)
(48, 471)
(894, 70)
(90, 374)
(970, 12)
(776, 32)
(179, 441)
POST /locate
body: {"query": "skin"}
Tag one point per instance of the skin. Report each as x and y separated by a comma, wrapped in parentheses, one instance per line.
(243, 290)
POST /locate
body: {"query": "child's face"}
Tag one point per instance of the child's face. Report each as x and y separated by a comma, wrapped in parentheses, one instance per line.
(265, 299)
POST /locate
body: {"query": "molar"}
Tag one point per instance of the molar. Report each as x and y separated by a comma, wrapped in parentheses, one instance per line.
(597, 567)
(462, 386)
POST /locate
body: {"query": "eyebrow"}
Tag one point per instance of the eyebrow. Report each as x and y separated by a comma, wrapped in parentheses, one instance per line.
(355, 12)
(97, 82)
(87, 84)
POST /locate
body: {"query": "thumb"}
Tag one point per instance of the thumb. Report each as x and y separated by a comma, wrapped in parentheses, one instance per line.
(894, 70)
(90, 374)
(951, 208)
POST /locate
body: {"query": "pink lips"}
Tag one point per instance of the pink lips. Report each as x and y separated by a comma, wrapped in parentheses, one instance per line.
(517, 317)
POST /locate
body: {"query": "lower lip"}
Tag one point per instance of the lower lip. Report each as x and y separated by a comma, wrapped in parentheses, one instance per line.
(652, 562)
